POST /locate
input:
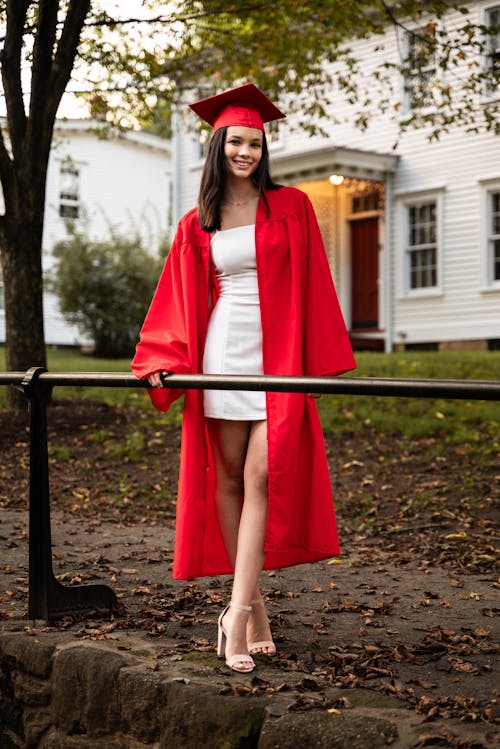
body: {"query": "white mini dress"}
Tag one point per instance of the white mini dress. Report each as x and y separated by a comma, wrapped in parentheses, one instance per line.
(234, 336)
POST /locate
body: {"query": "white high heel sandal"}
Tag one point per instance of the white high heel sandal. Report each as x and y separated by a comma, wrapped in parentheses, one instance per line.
(241, 658)
(257, 648)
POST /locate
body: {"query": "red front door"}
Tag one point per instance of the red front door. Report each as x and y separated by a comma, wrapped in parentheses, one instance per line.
(364, 273)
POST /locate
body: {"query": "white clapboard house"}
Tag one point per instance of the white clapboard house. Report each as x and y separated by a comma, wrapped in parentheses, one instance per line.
(412, 234)
(100, 179)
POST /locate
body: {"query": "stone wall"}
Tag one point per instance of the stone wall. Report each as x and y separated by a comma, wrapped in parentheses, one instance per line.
(82, 696)
(62, 692)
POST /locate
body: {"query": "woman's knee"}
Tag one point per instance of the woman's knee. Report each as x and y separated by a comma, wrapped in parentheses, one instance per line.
(231, 478)
(255, 479)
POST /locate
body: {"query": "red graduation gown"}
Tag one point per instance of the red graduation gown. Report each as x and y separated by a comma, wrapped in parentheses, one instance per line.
(303, 332)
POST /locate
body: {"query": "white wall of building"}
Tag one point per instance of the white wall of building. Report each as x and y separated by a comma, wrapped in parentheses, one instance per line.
(124, 182)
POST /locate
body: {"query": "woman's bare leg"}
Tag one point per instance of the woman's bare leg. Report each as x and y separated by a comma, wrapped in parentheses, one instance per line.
(252, 531)
(240, 450)
(229, 440)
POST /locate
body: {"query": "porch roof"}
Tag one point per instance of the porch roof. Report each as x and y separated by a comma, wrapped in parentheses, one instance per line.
(321, 162)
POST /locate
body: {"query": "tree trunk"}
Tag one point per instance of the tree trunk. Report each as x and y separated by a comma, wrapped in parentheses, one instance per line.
(23, 163)
(23, 289)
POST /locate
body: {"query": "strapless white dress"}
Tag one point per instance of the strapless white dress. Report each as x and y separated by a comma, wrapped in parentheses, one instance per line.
(234, 336)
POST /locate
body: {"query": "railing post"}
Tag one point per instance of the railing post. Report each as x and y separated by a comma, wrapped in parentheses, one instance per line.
(40, 543)
(47, 598)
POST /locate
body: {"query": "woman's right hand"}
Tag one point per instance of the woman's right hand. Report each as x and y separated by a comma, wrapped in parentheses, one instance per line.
(155, 379)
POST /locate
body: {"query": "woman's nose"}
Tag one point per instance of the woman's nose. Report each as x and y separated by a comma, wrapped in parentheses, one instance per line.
(243, 149)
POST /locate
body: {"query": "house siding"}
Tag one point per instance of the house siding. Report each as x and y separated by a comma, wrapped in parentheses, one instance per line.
(457, 164)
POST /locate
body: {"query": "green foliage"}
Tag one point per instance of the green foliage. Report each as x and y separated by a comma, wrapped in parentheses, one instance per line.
(105, 289)
(297, 50)
(133, 448)
(156, 117)
(59, 452)
(302, 51)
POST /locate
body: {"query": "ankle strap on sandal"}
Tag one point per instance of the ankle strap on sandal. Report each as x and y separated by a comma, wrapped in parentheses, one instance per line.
(240, 606)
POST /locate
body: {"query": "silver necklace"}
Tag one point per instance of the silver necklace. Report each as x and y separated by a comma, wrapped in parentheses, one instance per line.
(239, 202)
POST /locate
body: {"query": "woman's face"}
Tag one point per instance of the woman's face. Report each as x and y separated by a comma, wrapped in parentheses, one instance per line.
(243, 150)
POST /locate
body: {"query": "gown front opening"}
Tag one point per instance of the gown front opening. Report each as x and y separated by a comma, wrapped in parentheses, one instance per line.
(234, 337)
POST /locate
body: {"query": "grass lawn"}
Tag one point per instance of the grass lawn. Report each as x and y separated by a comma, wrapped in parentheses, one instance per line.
(456, 421)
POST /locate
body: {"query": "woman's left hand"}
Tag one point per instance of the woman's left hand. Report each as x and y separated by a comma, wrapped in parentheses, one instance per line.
(155, 379)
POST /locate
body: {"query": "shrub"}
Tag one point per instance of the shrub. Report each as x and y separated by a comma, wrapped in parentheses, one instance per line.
(105, 288)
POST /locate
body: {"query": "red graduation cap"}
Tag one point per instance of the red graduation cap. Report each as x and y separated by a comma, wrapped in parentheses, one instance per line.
(245, 105)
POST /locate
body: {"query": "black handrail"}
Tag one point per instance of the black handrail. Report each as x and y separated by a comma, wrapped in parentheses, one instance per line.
(48, 599)
(412, 388)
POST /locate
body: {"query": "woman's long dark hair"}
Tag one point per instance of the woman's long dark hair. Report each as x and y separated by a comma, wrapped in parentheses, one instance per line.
(213, 181)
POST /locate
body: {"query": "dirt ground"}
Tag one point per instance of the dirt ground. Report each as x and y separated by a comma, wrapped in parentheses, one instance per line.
(407, 501)
(407, 611)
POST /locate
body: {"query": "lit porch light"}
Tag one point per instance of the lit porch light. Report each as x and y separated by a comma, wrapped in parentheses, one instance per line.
(336, 179)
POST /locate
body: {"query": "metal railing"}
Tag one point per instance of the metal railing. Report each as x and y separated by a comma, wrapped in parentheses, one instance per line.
(47, 598)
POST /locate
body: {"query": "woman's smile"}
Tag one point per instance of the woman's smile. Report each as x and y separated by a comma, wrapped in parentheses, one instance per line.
(242, 165)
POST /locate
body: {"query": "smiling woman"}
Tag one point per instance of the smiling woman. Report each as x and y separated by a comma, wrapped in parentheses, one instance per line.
(246, 290)
(236, 173)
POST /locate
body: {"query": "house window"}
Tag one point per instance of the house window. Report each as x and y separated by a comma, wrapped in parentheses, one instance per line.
(420, 69)
(493, 22)
(422, 245)
(494, 235)
(69, 190)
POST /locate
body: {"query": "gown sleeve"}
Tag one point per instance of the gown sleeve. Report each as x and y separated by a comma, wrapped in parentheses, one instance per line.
(327, 350)
(163, 344)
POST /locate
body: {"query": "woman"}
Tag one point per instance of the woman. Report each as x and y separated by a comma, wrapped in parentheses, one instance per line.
(246, 289)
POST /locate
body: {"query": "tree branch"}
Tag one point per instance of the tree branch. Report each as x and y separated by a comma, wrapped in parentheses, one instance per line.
(177, 17)
(43, 49)
(66, 52)
(10, 57)
(48, 83)
(112, 23)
